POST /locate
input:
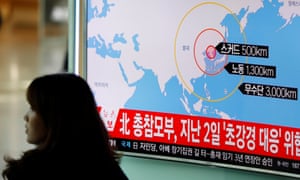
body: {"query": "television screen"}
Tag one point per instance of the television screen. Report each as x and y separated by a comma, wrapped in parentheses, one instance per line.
(210, 82)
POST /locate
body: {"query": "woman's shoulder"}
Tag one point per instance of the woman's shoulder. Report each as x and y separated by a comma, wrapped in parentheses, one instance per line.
(31, 166)
(52, 166)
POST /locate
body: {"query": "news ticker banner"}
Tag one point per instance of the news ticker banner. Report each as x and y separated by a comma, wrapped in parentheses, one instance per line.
(226, 141)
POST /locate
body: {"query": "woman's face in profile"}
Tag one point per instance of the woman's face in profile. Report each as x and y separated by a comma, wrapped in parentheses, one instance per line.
(35, 128)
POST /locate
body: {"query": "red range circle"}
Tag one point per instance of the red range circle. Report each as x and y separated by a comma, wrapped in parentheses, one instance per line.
(210, 52)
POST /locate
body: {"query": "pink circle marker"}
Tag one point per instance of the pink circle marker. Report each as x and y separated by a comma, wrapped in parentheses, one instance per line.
(211, 52)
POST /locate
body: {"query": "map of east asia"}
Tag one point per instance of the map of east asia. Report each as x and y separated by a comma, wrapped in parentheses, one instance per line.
(203, 80)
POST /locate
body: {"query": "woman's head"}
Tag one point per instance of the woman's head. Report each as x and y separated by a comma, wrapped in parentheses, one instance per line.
(64, 124)
(66, 106)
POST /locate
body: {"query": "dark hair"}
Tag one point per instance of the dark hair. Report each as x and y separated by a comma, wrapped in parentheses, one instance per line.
(76, 132)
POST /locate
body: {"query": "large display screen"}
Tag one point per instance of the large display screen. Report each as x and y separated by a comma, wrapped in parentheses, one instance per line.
(213, 82)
